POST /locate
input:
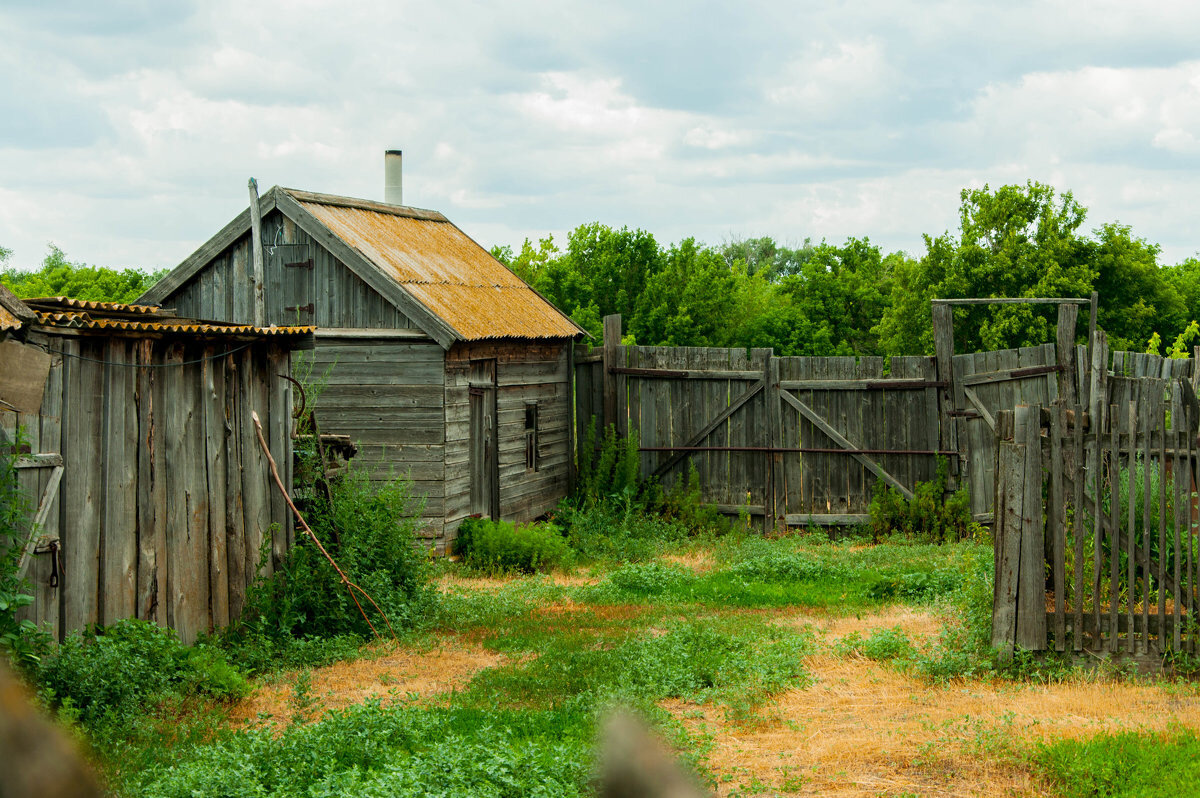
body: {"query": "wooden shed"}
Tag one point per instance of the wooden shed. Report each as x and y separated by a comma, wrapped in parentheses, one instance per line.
(151, 493)
(440, 363)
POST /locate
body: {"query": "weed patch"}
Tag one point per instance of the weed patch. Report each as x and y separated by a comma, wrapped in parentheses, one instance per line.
(1129, 764)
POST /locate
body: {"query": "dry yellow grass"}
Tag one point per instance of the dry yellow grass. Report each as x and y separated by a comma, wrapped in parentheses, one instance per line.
(388, 673)
(863, 729)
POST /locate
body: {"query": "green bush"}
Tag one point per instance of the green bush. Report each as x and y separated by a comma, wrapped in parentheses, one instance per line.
(929, 516)
(369, 529)
(503, 547)
(21, 640)
(118, 671)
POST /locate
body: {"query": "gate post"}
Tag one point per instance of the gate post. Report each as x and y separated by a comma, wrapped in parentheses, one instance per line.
(1006, 534)
(614, 384)
(943, 345)
(1031, 578)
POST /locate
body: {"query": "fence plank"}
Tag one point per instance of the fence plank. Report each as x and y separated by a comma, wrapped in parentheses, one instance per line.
(1078, 525)
(1119, 422)
(1131, 519)
(1009, 494)
(1031, 592)
(1055, 522)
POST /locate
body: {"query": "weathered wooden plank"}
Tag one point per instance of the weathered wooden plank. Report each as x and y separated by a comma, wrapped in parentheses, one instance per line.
(1131, 452)
(845, 443)
(1056, 521)
(877, 383)
(1010, 470)
(1078, 524)
(1031, 594)
(82, 487)
(706, 430)
(118, 553)
(1068, 317)
(1120, 423)
(613, 404)
(213, 420)
(1012, 301)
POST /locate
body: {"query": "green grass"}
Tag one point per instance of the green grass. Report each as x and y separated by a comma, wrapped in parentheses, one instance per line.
(1126, 765)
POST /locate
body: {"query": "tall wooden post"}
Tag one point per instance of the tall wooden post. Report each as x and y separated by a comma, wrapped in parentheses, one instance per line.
(257, 252)
(614, 384)
(1006, 534)
(1068, 316)
(943, 346)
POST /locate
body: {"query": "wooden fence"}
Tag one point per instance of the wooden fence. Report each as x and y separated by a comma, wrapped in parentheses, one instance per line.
(805, 440)
(1096, 531)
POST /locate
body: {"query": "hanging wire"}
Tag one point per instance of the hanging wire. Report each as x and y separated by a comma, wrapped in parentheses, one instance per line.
(217, 356)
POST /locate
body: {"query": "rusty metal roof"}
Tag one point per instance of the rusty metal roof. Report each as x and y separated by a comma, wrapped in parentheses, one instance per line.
(87, 305)
(441, 267)
(65, 312)
(9, 321)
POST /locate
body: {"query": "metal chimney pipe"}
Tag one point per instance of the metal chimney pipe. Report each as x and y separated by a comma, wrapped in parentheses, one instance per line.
(392, 183)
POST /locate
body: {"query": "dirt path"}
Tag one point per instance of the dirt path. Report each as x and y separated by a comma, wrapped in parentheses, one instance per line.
(863, 729)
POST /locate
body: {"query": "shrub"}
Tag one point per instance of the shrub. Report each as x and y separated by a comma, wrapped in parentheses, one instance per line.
(369, 529)
(20, 639)
(929, 516)
(502, 547)
(117, 671)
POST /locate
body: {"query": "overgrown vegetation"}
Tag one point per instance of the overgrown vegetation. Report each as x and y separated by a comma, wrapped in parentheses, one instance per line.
(503, 547)
(931, 515)
(60, 277)
(19, 639)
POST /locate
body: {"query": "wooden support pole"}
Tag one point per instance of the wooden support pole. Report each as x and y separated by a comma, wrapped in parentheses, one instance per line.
(614, 402)
(257, 252)
(943, 342)
(1068, 316)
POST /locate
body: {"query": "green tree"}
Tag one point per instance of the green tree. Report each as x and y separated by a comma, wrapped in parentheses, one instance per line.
(60, 277)
(1016, 241)
(690, 301)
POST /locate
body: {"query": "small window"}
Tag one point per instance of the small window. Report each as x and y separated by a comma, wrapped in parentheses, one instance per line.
(531, 436)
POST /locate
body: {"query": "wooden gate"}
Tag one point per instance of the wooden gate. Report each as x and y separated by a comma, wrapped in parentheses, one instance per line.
(1096, 525)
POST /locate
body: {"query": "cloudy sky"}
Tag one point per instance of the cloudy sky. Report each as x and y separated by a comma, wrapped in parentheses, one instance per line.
(128, 128)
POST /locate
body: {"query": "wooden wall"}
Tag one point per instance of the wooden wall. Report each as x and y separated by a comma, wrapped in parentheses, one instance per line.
(387, 394)
(222, 291)
(165, 496)
(525, 372)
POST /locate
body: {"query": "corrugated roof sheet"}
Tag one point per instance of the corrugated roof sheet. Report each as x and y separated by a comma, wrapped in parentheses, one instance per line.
(444, 269)
(88, 305)
(9, 321)
(85, 321)
(79, 314)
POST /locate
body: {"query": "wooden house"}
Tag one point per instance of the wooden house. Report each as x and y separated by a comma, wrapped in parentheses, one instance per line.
(151, 494)
(440, 363)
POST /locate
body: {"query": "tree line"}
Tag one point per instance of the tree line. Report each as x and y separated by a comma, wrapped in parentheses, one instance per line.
(852, 298)
(825, 298)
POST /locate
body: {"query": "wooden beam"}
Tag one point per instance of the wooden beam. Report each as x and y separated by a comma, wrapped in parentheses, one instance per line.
(861, 385)
(1014, 301)
(827, 519)
(695, 440)
(39, 461)
(1008, 375)
(256, 251)
(973, 398)
(689, 374)
(846, 443)
(39, 517)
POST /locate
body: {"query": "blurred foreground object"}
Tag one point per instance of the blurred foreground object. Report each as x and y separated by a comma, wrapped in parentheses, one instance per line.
(36, 758)
(634, 762)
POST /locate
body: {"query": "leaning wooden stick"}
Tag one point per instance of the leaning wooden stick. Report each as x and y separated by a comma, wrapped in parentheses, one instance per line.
(350, 586)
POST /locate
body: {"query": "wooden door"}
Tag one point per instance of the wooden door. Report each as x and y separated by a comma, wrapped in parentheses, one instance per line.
(290, 273)
(485, 466)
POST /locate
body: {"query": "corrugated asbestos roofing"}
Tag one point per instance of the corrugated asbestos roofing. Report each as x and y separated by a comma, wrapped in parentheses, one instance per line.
(118, 317)
(443, 268)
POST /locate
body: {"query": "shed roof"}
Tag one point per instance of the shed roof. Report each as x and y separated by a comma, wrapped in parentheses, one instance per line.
(442, 267)
(65, 312)
(417, 259)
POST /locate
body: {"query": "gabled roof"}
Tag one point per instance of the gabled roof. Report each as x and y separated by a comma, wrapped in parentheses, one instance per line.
(426, 266)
